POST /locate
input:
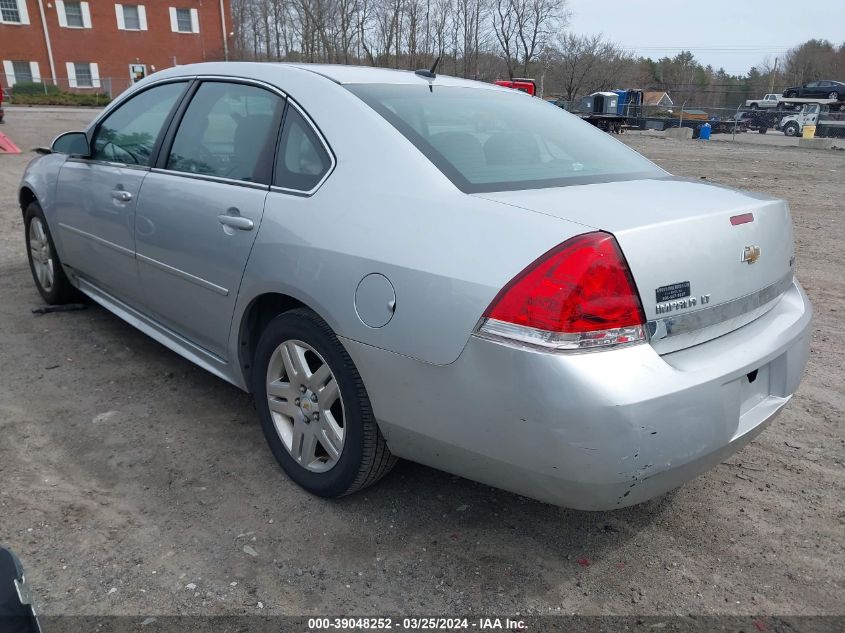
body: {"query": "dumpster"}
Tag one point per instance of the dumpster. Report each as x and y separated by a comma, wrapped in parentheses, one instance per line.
(809, 131)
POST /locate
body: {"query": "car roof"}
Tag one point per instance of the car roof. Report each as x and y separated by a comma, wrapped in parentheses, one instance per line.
(337, 73)
(370, 75)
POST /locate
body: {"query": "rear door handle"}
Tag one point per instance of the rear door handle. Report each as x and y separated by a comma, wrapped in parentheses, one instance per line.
(122, 195)
(235, 221)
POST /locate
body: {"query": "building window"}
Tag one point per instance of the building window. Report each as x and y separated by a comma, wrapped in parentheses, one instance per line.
(21, 72)
(130, 17)
(13, 12)
(83, 75)
(9, 10)
(73, 15)
(184, 20)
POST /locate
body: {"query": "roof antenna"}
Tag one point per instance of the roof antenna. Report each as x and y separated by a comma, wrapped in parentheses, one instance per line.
(429, 74)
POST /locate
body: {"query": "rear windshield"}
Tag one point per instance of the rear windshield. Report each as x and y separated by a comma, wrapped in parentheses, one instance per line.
(501, 140)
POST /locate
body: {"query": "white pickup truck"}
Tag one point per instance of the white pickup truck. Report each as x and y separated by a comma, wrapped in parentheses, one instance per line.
(769, 101)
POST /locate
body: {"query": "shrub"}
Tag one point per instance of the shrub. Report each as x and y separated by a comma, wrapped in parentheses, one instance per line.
(96, 99)
(34, 88)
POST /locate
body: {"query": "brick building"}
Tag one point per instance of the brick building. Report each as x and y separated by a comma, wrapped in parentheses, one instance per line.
(103, 45)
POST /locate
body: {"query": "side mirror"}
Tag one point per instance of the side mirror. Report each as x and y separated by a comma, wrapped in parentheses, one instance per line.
(16, 612)
(71, 143)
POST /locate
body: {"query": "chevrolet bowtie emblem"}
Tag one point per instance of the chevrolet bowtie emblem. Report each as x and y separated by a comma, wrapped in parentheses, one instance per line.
(751, 254)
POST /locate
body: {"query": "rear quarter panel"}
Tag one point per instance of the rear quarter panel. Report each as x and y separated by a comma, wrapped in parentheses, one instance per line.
(386, 209)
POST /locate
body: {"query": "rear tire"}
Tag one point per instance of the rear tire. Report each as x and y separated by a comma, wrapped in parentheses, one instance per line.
(833, 95)
(763, 130)
(44, 262)
(317, 418)
(754, 106)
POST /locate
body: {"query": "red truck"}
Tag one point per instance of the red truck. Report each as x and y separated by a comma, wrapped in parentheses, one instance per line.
(525, 85)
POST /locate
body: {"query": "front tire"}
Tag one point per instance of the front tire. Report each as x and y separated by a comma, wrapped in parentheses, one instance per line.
(44, 262)
(314, 409)
(791, 129)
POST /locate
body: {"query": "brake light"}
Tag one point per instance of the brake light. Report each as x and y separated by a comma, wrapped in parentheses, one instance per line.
(580, 295)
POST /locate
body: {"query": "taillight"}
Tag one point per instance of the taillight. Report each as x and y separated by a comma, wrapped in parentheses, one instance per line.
(580, 295)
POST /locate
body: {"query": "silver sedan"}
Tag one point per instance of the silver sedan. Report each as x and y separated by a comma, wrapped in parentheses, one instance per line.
(398, 264)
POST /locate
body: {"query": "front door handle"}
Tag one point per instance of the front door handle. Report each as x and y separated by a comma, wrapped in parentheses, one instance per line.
(122, 195)
(235, 220)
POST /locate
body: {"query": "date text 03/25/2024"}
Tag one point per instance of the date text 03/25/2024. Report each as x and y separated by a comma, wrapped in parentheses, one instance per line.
(416, 624)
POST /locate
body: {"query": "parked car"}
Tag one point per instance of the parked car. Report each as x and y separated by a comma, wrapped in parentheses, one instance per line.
(822, 89)
(16, 612)
(528, 86)
(769, 101)
(402, 265)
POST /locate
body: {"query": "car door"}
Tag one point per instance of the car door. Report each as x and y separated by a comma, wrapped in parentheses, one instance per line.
(96, 196)
(200, 208)
(811, 89)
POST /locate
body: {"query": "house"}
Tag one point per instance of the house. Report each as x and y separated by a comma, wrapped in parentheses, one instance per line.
(657, 98)
(106, 46)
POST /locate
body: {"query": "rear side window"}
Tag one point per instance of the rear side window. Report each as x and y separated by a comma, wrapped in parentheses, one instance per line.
(303, 160)
(501, 140)
(128, 135)
(229, 131)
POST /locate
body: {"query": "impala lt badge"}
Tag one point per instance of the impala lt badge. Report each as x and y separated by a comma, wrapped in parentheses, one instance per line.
(751, 254)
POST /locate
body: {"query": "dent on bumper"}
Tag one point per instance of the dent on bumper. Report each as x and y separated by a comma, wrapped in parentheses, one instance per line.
(589, 431)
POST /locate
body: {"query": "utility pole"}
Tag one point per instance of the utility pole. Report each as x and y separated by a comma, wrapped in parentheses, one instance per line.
(774, 72)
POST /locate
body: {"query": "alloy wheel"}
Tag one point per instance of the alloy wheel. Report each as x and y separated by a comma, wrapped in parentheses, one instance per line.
(306, 405)
(42, 254)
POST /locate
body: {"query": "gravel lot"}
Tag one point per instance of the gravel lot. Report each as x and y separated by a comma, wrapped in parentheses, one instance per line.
(135, 483)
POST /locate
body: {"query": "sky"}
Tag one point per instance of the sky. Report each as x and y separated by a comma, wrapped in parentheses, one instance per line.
(729, 34)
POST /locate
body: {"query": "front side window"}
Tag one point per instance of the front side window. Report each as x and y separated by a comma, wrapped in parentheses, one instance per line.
(129, 133)
(228, 131)
(500, 140)
(302, 159)
(131, 20)
(23, 72)
(73, 14)
(9, 11)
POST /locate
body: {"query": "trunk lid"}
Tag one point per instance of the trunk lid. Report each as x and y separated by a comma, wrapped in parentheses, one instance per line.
(699, 275)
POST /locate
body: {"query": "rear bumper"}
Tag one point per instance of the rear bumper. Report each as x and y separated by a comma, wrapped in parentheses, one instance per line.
(590, 431)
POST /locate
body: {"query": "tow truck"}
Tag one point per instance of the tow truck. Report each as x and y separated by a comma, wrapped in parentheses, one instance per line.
(618, 110)
(828, 124)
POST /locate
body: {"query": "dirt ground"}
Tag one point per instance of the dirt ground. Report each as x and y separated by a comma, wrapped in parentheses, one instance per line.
(136, 483)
